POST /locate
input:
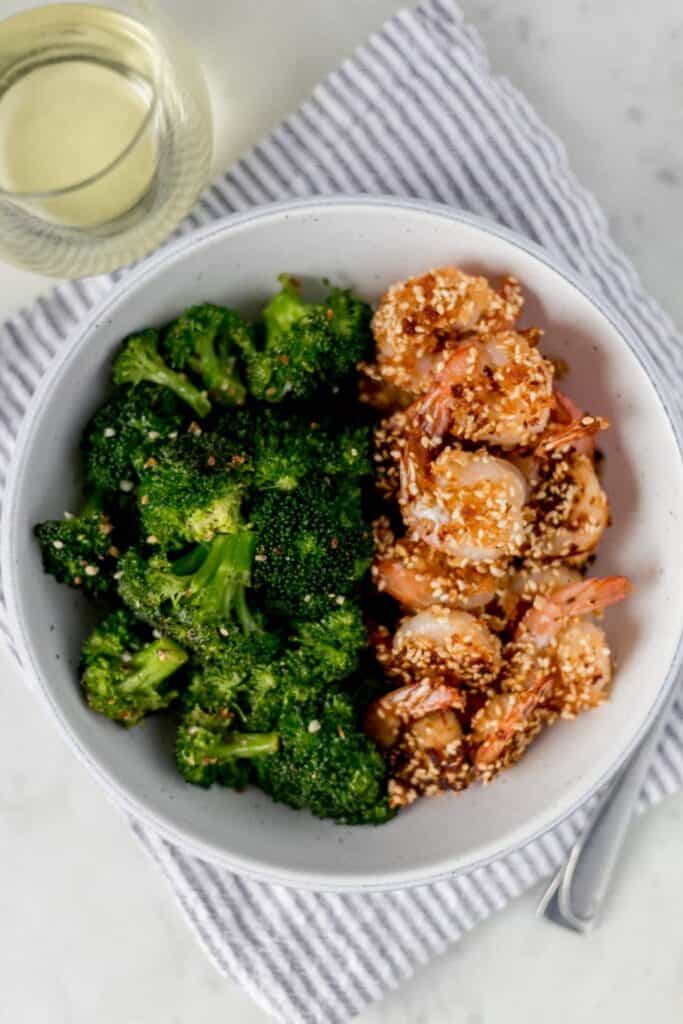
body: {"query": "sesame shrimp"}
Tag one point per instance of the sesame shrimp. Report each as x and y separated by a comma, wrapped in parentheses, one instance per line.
(567, 511)
(387, 715)
(420, 319)
(443, 645)
(571, 427)
(504, 726)
(497, 389)
(470, 505)
(419, 576)
(528, 582)
(584, 669)
(422, 739)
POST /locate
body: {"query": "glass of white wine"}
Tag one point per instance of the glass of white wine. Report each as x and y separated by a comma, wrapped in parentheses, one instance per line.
(105, 137)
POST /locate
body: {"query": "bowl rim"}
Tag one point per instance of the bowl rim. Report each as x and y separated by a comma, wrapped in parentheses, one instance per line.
(139, 807)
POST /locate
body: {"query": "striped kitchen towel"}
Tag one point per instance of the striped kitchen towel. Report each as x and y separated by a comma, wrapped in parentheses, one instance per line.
(416, 112)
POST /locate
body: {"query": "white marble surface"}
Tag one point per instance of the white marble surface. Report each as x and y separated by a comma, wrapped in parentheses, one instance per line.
(88, 930)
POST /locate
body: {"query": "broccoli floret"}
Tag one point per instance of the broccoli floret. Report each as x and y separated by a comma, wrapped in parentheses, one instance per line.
(282, 445)
(78, 549)
(139, 362)
(207, 339)
(126, 429)
(305, 345)
(329, 649)
(189, 491)
(313, 547)
(228, 662)
(326, 763)
(315, 655)
(207, 587)
(126, 672)
(208, 751)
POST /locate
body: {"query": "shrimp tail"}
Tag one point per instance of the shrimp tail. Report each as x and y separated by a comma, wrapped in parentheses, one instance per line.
(511, 294)
(571, 435)
(434, 412)
(406, 704)
(516, 720)
(548, 613)
(590, 596)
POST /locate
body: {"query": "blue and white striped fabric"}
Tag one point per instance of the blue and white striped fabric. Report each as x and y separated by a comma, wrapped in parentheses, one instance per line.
(415, 112)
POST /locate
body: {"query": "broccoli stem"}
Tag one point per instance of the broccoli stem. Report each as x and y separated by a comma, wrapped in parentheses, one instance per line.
(285, 308)
(209, 365)
(152, 665)
(244, 744)
(245, 618)
(181, 386)
(139, 361)
(225, 573)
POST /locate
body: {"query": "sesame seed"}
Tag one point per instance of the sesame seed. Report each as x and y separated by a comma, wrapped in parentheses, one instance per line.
(109, 432)
(126, 486)
(58, 544)
(314, 725)
(91, 570)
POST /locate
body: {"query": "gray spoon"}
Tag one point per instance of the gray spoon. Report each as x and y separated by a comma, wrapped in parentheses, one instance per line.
(576, 895)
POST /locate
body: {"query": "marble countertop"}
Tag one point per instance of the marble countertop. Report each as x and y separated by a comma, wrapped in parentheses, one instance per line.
(88, 930)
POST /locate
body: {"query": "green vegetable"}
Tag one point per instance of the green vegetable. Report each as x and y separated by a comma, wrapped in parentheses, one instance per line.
(305, 345)
(282, 444)
(139, 362)
(206, 340)
(313, 547)
(189, 491)
(207, 751)
(234, 551)
(325, 762)
(125, 431)
(77, 550)
(167, 597)
(126, 671)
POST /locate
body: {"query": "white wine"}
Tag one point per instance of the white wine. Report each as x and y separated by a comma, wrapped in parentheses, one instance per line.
(68, 121)
(105, 137)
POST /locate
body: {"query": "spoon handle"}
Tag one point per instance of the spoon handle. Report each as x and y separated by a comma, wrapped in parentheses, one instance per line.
(575, 897)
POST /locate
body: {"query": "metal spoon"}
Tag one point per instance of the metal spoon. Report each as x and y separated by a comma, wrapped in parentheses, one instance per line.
(576, 895)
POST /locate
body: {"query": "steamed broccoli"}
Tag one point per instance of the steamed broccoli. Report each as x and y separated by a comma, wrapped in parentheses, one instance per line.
(325, 762)
(281, 445)
(206, 587)
(206, 340)
(208, 751)
(189, 491)
(78, 550)
(313, 547)
(245, 546)
(126, 671)
(329, 649)
(318, 758)
(128, 427)
(256, 678)
(305, 345)
(139, 362)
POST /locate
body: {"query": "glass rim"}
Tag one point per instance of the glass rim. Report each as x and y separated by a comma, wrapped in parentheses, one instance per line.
(76, 186)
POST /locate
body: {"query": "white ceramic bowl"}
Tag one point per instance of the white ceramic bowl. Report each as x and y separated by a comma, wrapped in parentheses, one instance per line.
(367, 244)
